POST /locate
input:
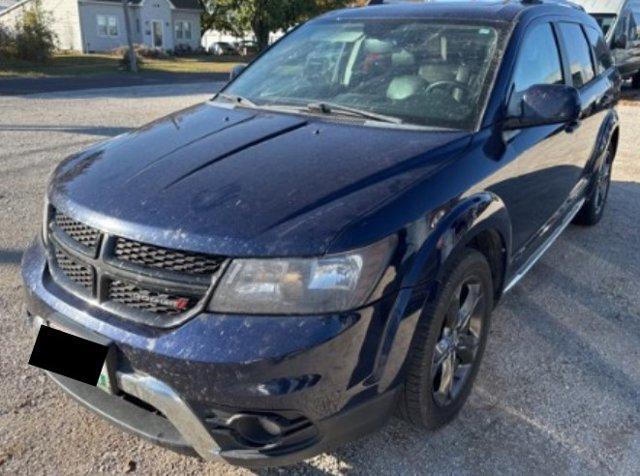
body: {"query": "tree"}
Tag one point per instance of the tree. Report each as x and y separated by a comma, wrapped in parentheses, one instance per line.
(133, 61)
(262, 16)
(32, 39)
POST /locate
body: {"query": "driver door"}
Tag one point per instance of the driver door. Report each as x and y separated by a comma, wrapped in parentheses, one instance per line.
(539, 173)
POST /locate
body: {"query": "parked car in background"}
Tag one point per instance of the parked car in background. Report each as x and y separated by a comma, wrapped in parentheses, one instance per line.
(247, 48)
(278, 270)
(620, 22)
(221, 48)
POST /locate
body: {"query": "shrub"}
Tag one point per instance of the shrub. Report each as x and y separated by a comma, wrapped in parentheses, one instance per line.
(142, 51)
(33, 38)
(123, 52)
(151, 53)
(183, 50)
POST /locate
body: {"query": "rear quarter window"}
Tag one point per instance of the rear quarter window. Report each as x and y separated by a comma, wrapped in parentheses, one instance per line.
(600, 49)
(578, 53)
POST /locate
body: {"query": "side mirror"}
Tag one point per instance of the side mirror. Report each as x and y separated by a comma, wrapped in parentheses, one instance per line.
(235, 72)
(621, 42)
(544, 104)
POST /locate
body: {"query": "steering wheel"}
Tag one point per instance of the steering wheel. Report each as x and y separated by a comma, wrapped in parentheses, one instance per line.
(448, 84)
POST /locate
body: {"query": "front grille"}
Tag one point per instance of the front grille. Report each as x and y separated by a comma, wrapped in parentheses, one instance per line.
(79, 232)
(136, 281)
(169, 260)
(149, 301)
(80, 274)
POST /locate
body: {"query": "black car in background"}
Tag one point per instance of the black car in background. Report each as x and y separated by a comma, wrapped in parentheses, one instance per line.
(275, 271)
(222, 48)
(620, 22)
(247, 48)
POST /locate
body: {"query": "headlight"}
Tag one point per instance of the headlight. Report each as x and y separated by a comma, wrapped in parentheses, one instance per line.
(302, 286)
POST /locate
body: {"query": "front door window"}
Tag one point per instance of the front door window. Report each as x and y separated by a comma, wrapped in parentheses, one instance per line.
(156, 34)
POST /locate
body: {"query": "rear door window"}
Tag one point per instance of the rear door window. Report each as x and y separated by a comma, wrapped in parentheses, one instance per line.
(578, 54)
(603, 57)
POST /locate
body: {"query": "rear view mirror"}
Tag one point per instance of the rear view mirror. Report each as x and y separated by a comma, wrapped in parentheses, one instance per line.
(620, 42)
(236, 71)
(546, 104)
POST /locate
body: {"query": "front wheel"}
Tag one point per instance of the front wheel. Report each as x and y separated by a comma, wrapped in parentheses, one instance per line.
(449, 344)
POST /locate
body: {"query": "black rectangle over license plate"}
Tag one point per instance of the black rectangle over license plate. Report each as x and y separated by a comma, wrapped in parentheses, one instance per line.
(68, 355)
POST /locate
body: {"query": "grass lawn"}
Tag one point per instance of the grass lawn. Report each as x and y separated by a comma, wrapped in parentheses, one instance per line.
(79, 64)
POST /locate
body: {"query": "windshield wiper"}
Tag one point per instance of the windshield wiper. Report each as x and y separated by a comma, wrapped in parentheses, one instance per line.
(330, 108)
(237, 99)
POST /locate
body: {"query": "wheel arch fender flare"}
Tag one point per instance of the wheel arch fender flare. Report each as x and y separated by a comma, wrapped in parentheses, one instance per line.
(484, 212)
(454, 228)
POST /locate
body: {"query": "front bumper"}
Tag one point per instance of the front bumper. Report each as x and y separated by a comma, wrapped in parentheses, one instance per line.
(208, 385)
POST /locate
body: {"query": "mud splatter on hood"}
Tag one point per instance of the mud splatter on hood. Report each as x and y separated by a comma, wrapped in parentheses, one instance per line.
(243, 182)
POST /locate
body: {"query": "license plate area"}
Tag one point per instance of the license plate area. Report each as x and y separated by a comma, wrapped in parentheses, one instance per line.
(74, 357)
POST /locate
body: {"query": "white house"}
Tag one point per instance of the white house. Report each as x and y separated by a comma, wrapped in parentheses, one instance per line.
(98, 25)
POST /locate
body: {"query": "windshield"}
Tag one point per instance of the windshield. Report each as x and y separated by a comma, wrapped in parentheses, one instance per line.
(606, 21)
(420, 72)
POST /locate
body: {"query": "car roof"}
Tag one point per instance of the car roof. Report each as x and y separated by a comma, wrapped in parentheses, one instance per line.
(488, 10)
(601, 6)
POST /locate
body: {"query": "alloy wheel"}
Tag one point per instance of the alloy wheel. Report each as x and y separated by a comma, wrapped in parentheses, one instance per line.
(457, 348)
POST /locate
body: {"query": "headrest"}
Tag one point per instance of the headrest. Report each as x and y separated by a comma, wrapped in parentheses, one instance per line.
(403, 58)
(434, 72)
(377, 46)
(404, 87)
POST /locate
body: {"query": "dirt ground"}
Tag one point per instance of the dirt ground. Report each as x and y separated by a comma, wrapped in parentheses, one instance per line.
(559, 389)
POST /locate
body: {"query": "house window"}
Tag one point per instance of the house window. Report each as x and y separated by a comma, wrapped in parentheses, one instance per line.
(107, 25)
(183, 30)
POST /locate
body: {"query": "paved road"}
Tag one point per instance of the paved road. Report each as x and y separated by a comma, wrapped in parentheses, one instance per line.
(25, 86)
(559, 390)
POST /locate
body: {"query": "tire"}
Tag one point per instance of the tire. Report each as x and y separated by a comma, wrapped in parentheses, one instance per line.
(635, 81)
(593, 210)
(422, 401)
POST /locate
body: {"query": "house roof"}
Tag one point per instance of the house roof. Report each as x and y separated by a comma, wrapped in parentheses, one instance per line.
(180, 4)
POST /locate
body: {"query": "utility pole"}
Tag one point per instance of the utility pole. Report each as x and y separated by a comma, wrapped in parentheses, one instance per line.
(133, 61)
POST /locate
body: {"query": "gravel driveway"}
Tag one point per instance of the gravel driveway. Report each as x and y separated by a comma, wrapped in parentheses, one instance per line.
(559, 390)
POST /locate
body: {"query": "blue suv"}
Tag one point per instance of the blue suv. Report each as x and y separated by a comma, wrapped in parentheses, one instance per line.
(277, 270)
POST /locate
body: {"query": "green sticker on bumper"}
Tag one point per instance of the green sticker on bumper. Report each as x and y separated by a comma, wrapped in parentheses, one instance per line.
(104, 382)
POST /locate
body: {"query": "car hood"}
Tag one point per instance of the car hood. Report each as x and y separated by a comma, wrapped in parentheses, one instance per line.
(242, 182)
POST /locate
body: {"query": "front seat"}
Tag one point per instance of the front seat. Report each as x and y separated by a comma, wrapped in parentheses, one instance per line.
(403, 87)
(434, 72)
